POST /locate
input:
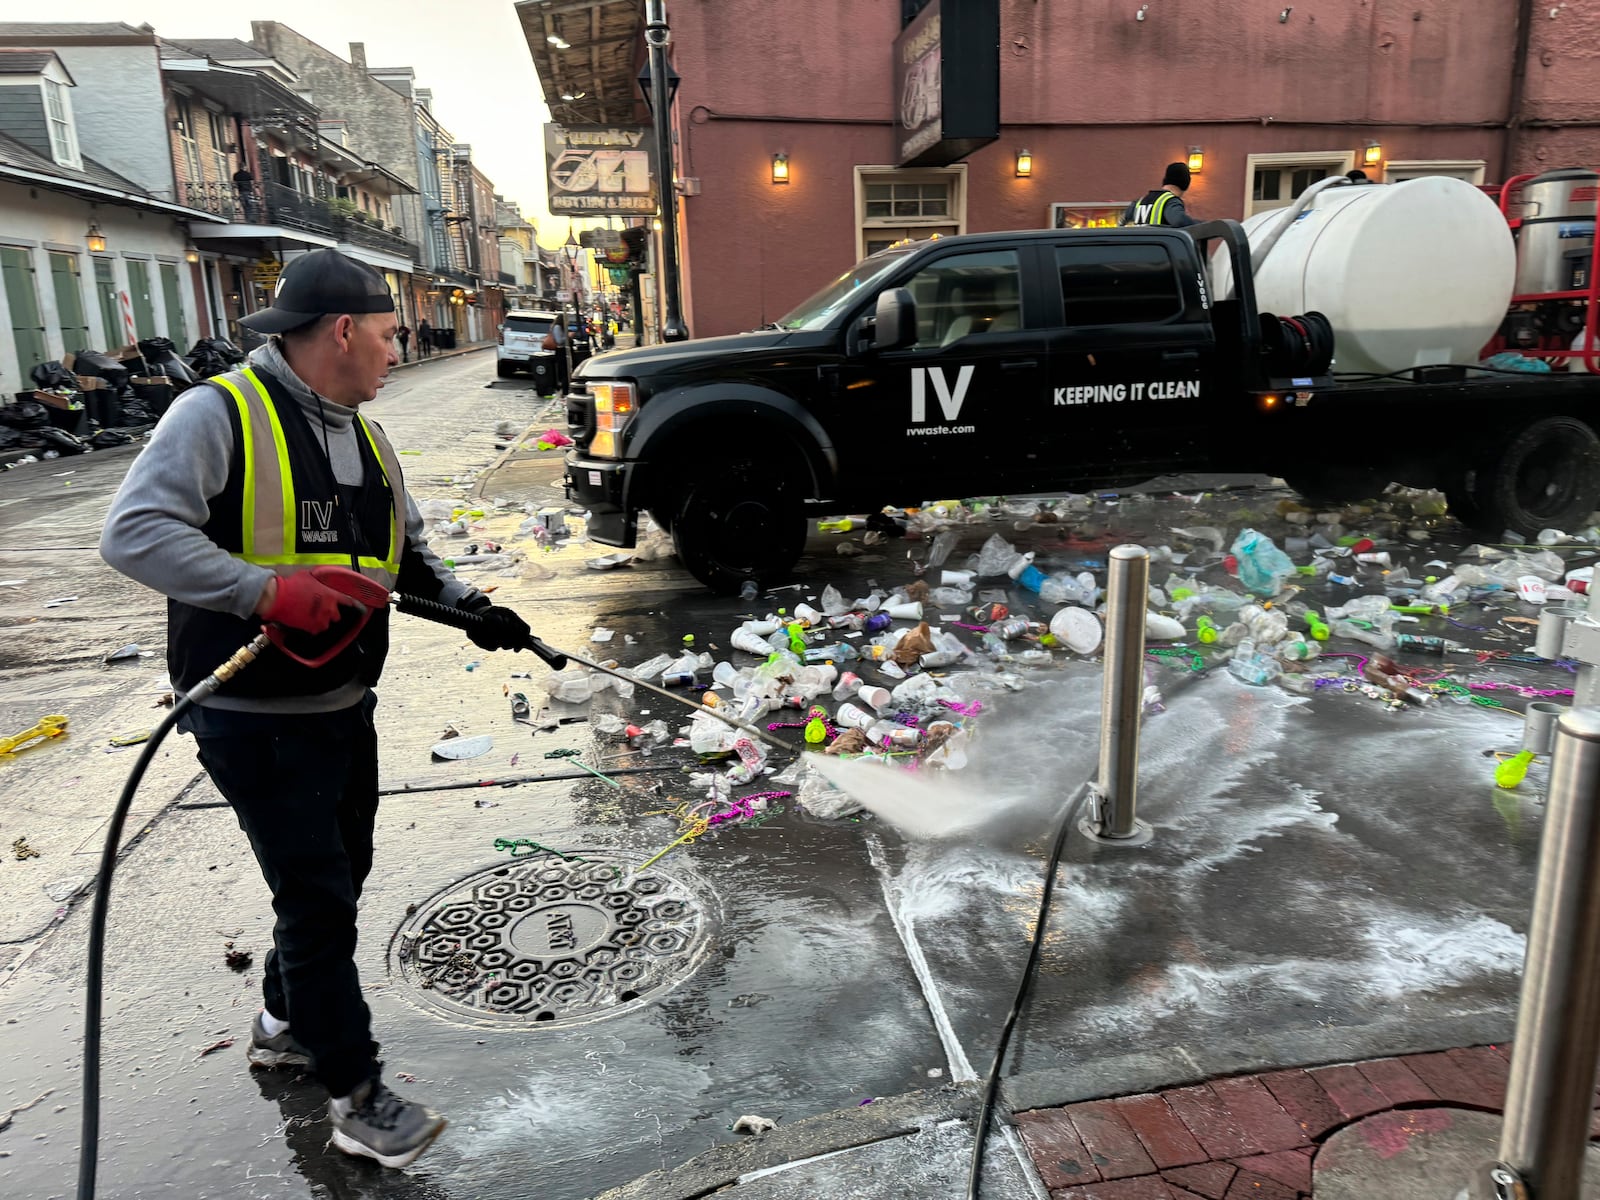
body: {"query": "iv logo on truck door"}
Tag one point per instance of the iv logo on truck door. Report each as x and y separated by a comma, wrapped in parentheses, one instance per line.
(949, 401)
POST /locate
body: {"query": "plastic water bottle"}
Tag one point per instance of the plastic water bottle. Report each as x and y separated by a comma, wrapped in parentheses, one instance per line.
(748, 592)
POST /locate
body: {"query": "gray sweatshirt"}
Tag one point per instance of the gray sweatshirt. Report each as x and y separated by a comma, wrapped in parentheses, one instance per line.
(152, 532)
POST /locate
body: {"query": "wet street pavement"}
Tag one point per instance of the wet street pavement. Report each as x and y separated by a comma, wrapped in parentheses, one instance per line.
(1332, 875)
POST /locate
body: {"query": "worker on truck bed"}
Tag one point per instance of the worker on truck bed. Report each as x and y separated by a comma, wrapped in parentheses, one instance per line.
(1164, 206)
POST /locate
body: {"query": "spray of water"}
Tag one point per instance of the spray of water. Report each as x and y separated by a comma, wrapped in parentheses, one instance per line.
(925, 805)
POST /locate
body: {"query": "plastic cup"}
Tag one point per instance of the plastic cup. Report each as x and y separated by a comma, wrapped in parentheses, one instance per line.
(960, 579)
(911, 611)
(1531, 588)
(878, 697)
(852, 717)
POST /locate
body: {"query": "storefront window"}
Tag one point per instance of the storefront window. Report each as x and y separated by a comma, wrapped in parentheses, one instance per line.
(1086, 215)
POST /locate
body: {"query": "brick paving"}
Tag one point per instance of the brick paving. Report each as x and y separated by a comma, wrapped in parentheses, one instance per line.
(1252, 1136)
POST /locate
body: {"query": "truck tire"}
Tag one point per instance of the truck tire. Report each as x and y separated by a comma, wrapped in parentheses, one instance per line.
(746, 523)
(1544, 476)
(1332, 485)
(504, 370)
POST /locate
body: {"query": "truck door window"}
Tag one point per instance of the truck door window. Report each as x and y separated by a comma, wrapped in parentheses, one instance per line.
(967, 295)
(1108, 283)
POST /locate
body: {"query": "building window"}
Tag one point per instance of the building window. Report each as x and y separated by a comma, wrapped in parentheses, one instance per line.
(1114, 283)
(1276, 180)
(191, 148)
(1086, 214)
(219, 144)
(967, 295)
(1468, 170)
(63, 134)
(894, 205)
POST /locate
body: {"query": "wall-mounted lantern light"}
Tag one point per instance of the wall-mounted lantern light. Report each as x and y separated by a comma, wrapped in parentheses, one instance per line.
(780, 167)
(1024, 164)
(1197, 160)
(95, 240)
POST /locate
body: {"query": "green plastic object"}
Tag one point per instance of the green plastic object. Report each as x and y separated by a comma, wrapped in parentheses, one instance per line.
(1512, 772)
(797, 638)
(1318, 627)
(1207, 630)
(1420, 610)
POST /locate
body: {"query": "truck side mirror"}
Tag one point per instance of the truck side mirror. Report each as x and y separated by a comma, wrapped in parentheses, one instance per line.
(895, 325)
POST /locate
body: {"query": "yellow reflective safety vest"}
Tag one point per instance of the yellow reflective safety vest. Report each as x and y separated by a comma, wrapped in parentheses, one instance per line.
(1148, 212)
(282, 509)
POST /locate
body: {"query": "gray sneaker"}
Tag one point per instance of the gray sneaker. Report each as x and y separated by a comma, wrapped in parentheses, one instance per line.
(279, 1051)
(384, 1127)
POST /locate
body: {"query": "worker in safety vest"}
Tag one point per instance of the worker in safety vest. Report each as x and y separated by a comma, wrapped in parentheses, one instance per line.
(1163, 206)
(252, 479)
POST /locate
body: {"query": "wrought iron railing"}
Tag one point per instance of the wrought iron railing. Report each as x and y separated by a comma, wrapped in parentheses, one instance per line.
(275, 204)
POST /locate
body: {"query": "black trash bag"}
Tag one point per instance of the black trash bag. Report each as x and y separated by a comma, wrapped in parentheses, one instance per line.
(24, 414)
(49, 375)
(102, 366)
(60, 441)
(222, 347)
(161, 357)
(137, 412)
(10, 439)
(107, 438)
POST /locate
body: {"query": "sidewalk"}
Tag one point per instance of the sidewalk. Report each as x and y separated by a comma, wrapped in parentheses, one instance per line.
(1381, 1127)
(438, 355)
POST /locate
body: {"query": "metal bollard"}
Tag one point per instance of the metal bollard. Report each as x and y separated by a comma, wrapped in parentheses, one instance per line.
(1112, 818)
(1550, 1096)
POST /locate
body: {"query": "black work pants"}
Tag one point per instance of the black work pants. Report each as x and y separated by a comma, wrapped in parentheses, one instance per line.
(305, 790)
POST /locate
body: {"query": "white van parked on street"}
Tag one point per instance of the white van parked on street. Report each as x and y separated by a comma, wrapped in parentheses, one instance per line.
(522, 348)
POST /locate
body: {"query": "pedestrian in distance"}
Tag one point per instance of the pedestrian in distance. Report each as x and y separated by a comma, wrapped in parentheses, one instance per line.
(1357, 176)
(403, 336)
(1164, 205)
(204, 516)
(424, 339)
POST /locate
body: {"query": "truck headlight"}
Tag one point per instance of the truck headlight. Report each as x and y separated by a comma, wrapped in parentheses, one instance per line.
(613, 408)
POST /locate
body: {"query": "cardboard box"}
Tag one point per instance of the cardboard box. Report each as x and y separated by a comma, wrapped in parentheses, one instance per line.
(54, 400)
(91, 383)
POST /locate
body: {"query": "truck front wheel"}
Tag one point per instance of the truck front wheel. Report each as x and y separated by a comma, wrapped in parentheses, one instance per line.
(1333, 485)
(742, 522)
(1545, 476)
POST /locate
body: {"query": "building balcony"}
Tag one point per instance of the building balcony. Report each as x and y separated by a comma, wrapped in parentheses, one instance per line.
(272, 204)
(374, 237)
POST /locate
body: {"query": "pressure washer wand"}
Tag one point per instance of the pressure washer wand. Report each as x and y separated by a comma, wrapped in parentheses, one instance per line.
(444, 614)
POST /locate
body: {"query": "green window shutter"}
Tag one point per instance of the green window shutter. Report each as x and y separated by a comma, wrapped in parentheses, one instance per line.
(105, 286)
(176, 329)
(68, 284)
(144, 312)
(22, 294)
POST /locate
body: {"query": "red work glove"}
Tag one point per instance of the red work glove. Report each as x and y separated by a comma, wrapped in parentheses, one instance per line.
(302, 601)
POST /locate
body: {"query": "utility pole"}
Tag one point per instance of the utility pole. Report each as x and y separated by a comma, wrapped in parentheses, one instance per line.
(657, 36)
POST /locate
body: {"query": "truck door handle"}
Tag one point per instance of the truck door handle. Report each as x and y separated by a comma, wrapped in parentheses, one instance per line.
(1027, 364)
(1180, 355)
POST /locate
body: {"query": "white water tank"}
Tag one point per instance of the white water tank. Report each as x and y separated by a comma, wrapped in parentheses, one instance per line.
(1409, 273)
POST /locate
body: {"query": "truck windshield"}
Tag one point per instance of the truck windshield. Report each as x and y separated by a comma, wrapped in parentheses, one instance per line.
(821, 308)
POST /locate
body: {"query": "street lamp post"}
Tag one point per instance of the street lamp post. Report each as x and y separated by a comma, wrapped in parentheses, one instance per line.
(573, 251)
(658, 96)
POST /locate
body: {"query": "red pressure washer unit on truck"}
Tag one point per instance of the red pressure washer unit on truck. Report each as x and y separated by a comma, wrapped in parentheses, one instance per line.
(1555, 303)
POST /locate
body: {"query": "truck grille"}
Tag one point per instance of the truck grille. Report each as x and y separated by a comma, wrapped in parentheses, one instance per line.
(580, 415)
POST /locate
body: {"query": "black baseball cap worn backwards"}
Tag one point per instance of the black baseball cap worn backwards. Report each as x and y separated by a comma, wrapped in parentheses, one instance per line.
(317, 284)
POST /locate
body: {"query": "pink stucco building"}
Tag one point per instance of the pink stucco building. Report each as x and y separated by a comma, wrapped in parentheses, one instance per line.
(1100, 93)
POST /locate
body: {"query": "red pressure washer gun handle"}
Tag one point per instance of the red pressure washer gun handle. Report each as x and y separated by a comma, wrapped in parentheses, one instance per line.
(443, 614)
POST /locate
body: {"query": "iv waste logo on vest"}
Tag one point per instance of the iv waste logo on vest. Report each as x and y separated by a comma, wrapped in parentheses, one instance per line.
(316, 519)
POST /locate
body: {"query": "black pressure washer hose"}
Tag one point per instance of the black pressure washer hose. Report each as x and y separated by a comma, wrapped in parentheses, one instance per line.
(428, 610)
(1024, 985)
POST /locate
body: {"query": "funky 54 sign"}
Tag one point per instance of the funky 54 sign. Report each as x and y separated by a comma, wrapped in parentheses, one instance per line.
(599, 169)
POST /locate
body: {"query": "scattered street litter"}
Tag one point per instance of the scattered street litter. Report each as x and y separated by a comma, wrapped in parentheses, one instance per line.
(237, 960)
(48, 728)
(224, 1044)
(607, 562)
(753, 1124)
(21, 849)
(60, 600)
(464, 747)
(129, 652)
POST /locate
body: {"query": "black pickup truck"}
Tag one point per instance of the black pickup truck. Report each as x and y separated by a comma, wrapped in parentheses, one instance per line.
(1035, 361)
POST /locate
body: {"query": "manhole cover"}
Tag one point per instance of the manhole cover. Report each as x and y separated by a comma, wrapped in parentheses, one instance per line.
(554, 941)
